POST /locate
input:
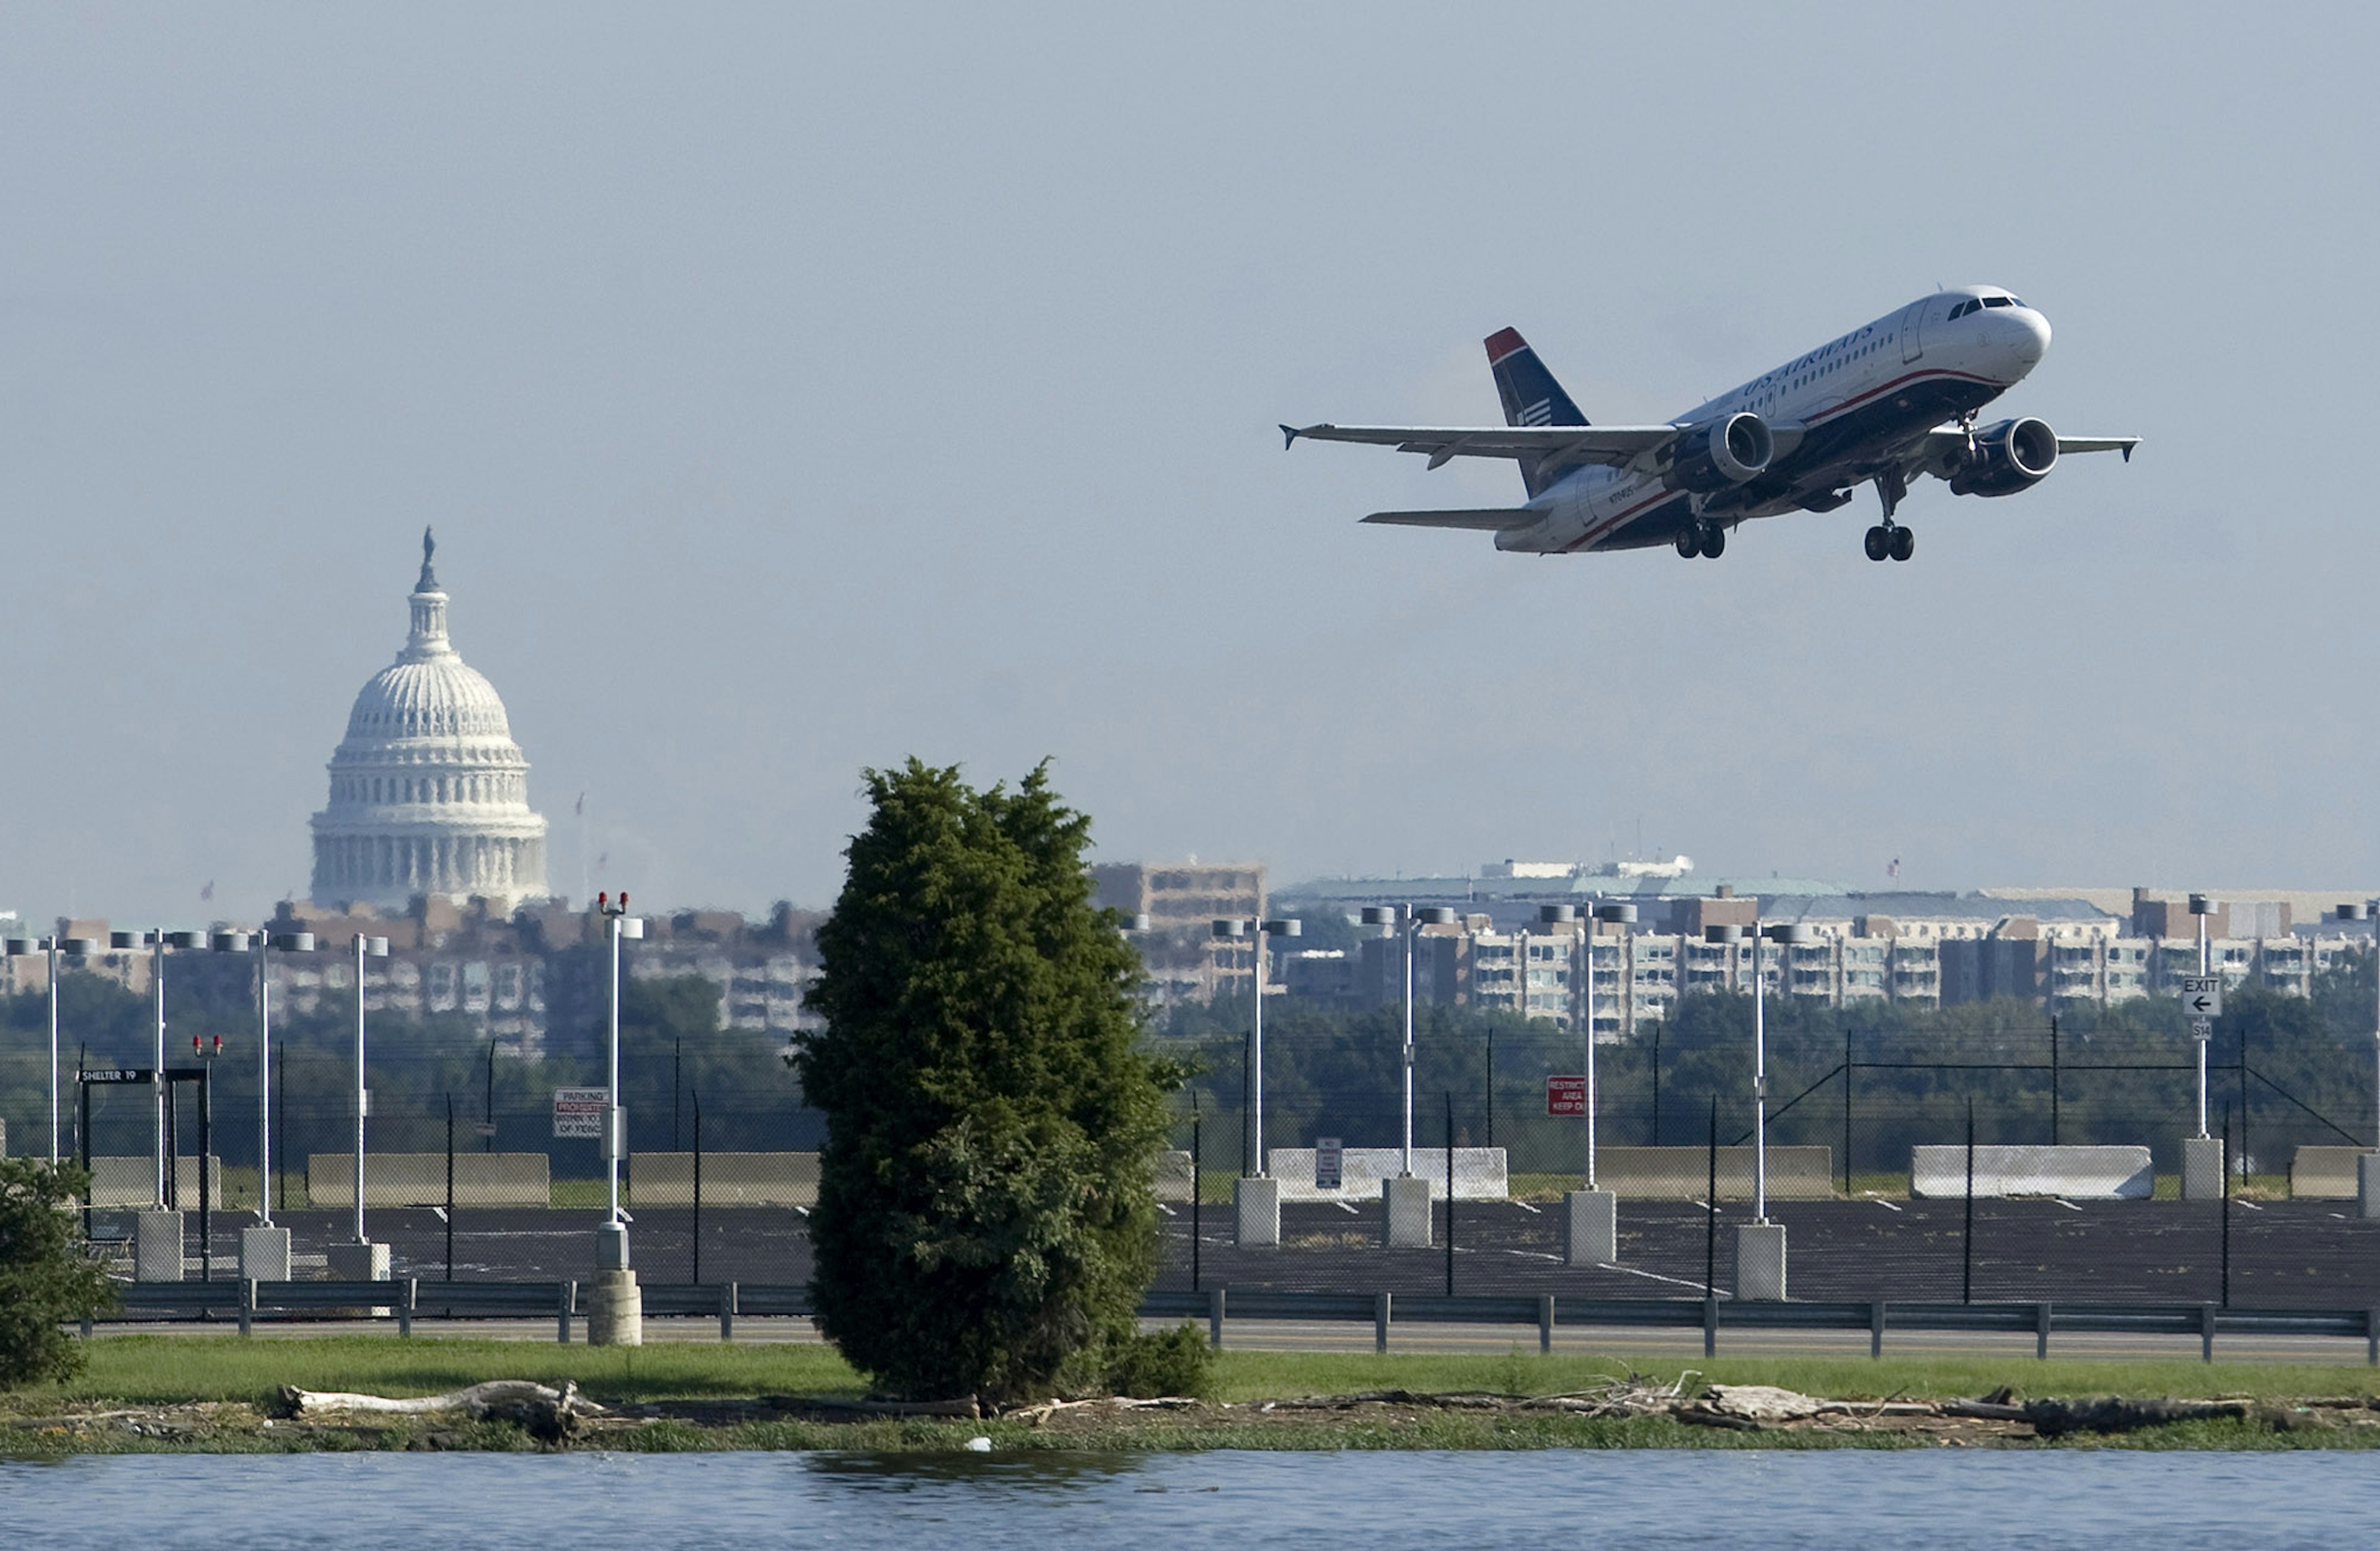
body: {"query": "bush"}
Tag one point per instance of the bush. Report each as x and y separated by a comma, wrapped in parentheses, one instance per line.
(1175, 1362)
(45, 1280)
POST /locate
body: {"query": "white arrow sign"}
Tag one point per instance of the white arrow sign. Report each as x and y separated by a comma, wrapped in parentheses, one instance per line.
(2202, 995)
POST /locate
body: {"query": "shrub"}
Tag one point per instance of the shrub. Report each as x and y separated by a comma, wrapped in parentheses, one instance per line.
(47, 1281)
(1175, 1362)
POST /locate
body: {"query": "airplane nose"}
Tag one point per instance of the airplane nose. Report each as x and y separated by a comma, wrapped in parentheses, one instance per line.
(2028, 334)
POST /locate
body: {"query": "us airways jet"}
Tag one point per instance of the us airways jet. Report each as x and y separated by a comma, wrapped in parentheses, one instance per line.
(1887, 403)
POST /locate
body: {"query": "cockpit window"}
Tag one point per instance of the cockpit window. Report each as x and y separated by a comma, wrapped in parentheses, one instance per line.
(1962, 310)
(1999, 302)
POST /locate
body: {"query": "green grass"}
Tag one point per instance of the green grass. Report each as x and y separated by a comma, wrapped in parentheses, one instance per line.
(165, 1370)
(159, 1370)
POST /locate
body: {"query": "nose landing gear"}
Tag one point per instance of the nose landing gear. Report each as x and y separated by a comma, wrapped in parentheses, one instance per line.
(1705, 539)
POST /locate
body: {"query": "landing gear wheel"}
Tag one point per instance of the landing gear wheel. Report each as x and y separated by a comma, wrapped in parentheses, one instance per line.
(1714, 540)
(1879, 543)
(1904, 543)
(1690, 542)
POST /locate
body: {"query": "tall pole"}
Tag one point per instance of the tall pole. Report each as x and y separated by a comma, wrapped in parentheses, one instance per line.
(1255, 1057)
(612, 1087)
(362, 1101)
(263, 1081)
(2203, 1042)
(1586, 954)
(1411, 925)
(157, 1075)
(53, 1051)
(1759, 1085)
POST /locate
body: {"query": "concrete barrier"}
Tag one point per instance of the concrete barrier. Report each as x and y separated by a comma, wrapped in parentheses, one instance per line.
(1478, 1173)
(2324, 1173)
(728, 1178)
(132, 1181)
(1174, 1180)
(420, 1179)
(1683, 1173)
(2084, 1173)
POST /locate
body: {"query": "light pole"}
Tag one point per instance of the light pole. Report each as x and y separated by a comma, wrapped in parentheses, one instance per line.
(264, 1249)
(157, 1233)
(1760, 1244)
(616, 1313)
(2199, 909)
(1407, 1199)
(1257, 1194)
(2202, 1155)
(52, 947)
(375, 1255)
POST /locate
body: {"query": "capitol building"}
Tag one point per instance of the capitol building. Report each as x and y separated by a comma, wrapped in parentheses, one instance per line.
(429, 792)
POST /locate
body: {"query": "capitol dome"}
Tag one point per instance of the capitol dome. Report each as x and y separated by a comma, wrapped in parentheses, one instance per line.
(429, 792)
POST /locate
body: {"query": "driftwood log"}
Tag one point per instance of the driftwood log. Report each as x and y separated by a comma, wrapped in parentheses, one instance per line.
(546, 1412)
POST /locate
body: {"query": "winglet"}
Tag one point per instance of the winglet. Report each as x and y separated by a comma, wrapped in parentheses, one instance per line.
(1287, 437)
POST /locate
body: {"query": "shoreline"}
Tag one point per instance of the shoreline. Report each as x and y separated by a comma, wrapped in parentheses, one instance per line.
(184, 1394)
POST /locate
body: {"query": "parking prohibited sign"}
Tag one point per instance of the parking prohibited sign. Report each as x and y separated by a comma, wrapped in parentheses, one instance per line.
(579, 1112)
(1566, 1095)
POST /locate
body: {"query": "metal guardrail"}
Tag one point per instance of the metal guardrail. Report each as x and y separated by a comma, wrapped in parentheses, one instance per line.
(405, 1299)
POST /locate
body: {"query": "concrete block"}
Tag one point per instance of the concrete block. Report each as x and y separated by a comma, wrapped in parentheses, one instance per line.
(264, 1254)
(2367, 1186)
(157, 1246)
(1590, 1227)
(612, 1247)
(359, 1263)
(2202, 1168)
(1760, 1262)
(1408, 1203)
(1255, 1212)
(615, 1309)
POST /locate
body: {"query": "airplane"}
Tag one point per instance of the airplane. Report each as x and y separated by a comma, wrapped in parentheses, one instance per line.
(1887, 402)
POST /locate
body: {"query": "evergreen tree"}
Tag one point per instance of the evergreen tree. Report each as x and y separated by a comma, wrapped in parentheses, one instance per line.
(45, 1280)
(986, 1219)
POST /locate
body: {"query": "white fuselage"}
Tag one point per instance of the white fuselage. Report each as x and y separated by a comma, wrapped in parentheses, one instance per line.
(1850, 410)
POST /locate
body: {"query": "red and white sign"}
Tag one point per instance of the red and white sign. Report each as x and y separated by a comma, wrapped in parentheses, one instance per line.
(1566, 1095)
(579, 1111)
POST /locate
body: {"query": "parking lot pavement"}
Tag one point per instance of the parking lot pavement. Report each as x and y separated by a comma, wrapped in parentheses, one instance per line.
(2281, 1254)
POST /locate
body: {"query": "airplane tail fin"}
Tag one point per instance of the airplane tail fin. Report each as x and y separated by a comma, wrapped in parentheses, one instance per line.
(1530, 394)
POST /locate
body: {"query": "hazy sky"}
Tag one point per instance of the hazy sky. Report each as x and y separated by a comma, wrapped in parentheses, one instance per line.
(796, 389)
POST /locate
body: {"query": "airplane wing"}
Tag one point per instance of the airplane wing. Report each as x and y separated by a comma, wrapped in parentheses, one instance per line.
(1487, 520)
(1944, 439)
(1554, 445)
(2099, 444)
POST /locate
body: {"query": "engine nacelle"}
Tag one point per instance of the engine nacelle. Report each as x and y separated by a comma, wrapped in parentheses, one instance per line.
(2012, 455)
(1720, 453)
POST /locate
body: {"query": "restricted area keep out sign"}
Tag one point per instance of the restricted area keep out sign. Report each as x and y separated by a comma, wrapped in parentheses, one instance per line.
(1565, 1095)
(579, 1112)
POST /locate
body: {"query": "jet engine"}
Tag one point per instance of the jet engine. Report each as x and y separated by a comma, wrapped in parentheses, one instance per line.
(1720, 453)
(2012, 455)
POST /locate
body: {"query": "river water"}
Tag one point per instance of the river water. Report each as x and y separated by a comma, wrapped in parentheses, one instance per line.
(1777, 1501)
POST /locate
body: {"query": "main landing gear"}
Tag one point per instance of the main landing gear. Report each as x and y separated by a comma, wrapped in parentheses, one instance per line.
(1889, 540)
(1705, 539)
